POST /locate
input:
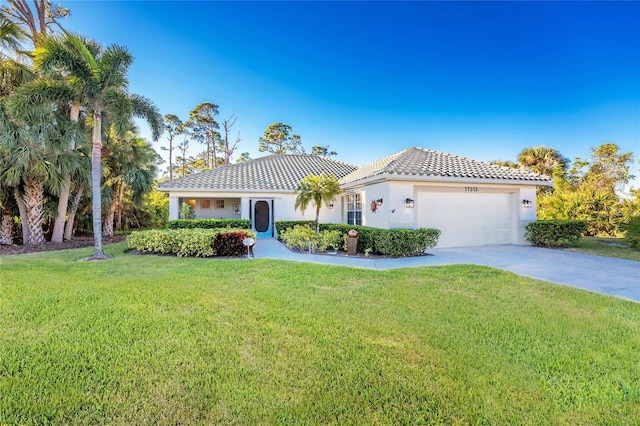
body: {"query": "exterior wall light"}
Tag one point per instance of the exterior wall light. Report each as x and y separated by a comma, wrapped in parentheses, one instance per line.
(331, 205)
(408, 203)
(379, 202)
(527, 204)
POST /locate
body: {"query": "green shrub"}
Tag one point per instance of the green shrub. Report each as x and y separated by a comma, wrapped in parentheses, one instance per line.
(283, 225)
(181, 242)
(406, 242)
(554, 232)
(366, 235)
(330, 239)
(230, 243)
(632, 227)
(300, 237)
(186, 211)
(209, 224)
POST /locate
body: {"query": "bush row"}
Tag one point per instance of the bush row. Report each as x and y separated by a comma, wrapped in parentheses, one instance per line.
(392, 242)
(209, 224)
(190, 242)
(552, 233)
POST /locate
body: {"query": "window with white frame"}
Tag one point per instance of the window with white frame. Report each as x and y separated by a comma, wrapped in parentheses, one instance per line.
(219, 204)
(354, 208)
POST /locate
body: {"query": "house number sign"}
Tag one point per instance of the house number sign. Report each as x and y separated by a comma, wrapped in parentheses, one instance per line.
(471, 189)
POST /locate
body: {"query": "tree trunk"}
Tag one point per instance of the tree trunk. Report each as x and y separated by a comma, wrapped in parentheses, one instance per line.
(96, 175)
(6, 227)
(119, 208)
(33, 196)
(107, 226)
(318, 219)
(68, 229)
(63, 199)
(23, 215)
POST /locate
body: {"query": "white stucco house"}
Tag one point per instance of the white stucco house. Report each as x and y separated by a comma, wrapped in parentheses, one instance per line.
(471, 202)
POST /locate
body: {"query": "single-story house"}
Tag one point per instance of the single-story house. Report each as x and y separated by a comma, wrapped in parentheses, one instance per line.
(471, 202)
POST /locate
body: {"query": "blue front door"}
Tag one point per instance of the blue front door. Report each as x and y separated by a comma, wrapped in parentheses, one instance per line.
(262, 219)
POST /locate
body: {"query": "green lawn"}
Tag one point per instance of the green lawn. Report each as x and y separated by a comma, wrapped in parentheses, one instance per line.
(611, 247)
(163, 340)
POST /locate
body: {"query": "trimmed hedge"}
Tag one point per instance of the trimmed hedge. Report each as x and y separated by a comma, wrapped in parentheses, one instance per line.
(391, 242)
(209, 224)
(632, 239)
(190, 242)
(554, 233)
(406, 242)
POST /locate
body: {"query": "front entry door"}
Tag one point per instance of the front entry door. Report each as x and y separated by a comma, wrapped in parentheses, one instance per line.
(262, 219)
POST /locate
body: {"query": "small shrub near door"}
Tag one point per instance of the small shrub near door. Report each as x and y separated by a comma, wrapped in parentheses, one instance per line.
(554, 233)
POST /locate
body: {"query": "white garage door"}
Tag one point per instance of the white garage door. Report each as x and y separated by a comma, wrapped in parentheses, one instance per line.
(467, 219)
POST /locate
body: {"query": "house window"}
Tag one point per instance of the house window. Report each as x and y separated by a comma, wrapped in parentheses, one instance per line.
(192, 203)
(219, 204)
(354, 208)
(205, 204)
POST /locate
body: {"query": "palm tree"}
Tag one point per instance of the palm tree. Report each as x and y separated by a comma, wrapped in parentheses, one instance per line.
(129, 165)
(11, 37)
(543, 160)
(100, 76)
(317, 189)
(35, 140)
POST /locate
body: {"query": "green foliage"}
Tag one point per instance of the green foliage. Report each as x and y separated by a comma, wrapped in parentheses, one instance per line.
(186, 242)
(316, 189)
(406, 242)
(331, 239)
(283, 225)
(209, 223)
(277, 139)
(554, 232)
(632, 228)
(230, 243)
(602, 211)
(186, 212)
(300, 237)
(392, 242)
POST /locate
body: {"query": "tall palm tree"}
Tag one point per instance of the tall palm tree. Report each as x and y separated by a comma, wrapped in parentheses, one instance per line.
(100, 75)
(317, 189)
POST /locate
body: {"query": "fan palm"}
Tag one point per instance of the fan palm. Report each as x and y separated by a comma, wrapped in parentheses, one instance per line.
(543, 160)
(316, 189)
(128, 165)
(98, 80)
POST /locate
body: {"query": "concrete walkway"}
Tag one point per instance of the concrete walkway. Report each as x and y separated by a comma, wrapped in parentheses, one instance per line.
(606, 275)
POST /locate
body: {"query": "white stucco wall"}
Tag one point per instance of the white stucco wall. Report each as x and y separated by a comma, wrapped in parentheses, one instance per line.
(284, 206)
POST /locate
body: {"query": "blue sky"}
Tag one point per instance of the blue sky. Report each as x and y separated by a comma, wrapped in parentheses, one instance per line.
(481, 80)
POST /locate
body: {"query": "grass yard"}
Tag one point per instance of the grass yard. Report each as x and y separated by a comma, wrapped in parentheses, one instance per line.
(163, 340)
(611, 247)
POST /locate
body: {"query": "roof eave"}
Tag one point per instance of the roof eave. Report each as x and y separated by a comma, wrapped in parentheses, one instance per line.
(431, 178)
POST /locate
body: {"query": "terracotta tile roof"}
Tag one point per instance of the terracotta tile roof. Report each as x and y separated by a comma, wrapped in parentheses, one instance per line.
(422, 162)
(273, 172)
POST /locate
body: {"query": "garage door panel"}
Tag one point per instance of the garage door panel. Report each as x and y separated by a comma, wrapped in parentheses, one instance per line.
(467, 219)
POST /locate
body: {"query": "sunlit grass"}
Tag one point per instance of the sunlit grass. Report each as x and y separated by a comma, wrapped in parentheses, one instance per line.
(610, 247)
(163, 340)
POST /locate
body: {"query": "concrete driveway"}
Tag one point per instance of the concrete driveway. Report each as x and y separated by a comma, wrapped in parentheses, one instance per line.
(616, 277)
